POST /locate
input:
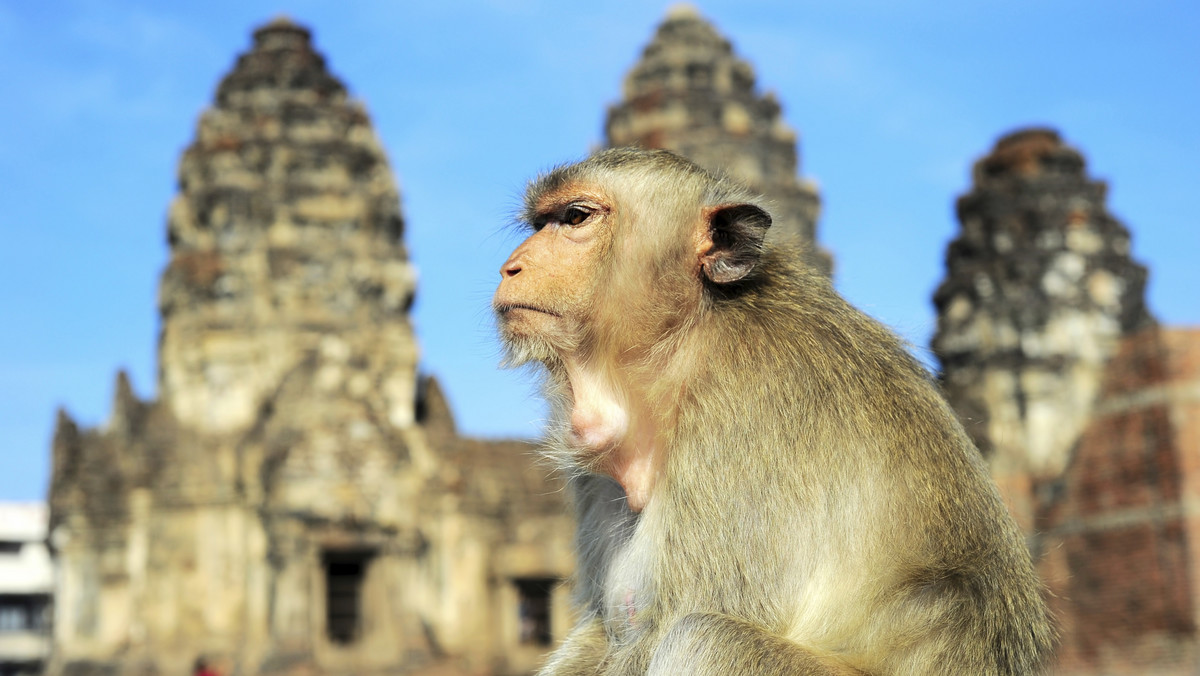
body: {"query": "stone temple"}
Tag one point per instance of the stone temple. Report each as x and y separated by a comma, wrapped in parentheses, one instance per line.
(296, 500)
(691, 94)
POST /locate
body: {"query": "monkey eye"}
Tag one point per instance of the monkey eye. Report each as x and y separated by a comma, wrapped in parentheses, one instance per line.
(575, 215)
(571, 216)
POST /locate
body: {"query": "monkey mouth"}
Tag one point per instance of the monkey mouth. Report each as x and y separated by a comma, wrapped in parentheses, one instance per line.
(504, 308)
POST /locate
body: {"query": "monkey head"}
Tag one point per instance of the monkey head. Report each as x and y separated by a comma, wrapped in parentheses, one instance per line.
(622, 246)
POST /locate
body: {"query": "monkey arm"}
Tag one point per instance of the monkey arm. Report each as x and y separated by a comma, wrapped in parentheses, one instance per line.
(581, 652)
(717, 645)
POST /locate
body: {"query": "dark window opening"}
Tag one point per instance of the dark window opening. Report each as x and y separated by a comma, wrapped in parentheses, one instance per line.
(10, 547)
(20, 667)
(24, 612)
(345, 571)
(533, 608)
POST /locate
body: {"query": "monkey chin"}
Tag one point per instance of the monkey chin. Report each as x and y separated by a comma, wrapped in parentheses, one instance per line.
(532, 336)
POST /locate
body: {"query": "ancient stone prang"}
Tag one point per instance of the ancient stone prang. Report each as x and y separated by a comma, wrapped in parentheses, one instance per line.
(1039, 288)
(691, 94)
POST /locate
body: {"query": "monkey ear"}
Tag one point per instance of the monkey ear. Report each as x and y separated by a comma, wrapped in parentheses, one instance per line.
(733, 244)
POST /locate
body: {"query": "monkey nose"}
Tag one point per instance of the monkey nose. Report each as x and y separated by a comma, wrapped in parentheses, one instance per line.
(511, 267)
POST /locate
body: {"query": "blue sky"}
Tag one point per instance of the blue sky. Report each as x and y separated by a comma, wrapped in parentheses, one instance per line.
(893, 102)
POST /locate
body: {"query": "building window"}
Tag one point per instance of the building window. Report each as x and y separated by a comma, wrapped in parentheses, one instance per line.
(10, 547)
(20, 667)
(345, 571)
(533, 609)
(23, 612)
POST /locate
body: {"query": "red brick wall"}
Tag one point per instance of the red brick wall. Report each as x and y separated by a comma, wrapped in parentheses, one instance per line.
(1118, 536)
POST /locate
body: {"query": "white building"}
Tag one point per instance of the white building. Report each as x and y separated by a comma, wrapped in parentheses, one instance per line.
(26, 588)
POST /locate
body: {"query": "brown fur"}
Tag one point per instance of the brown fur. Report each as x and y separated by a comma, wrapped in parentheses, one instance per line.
(798, 498)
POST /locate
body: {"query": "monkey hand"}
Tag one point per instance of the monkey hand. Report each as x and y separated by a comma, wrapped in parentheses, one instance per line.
(712, 644)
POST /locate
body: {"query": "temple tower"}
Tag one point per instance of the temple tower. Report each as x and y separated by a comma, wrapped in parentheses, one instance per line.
(286, 230)
(1039, 289)
(691, 94)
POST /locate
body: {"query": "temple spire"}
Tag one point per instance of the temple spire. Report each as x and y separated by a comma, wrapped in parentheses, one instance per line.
(1039, 288)
(287, 228)
(692, 94)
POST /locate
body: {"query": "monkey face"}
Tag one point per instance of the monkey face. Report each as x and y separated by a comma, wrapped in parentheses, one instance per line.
(545, 293)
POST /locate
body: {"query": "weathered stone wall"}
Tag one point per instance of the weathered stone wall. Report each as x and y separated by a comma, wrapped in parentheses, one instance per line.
(689, 93)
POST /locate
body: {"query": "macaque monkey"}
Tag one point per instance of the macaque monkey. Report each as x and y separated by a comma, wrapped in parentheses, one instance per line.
(765, 481)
